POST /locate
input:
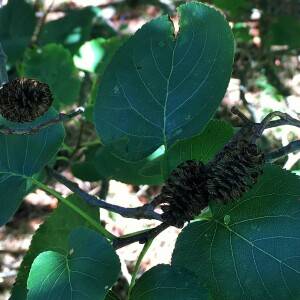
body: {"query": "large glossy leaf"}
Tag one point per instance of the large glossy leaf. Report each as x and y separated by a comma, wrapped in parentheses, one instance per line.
(89, 269)
(249, 249)
(159, 88)
(22, 156)
(200, 147)
(52, 235)
(54, 65)
(17, 23)
(72, 30)
(168, 282)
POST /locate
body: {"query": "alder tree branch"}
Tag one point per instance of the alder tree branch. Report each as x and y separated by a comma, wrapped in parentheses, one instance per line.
(143, 212)
(257, 130)
(36, 128)
(142, 238)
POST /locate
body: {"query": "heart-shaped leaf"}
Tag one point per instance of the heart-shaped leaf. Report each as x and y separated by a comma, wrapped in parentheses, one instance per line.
(52, 235)
(89, 269)
(168, 282)
(249, 249)
(159, 88)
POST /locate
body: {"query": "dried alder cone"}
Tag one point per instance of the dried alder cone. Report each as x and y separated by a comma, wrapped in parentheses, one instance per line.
(192, 184)
(24, 100)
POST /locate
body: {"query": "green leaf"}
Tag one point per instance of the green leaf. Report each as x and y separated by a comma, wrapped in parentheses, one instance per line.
(52, 235)
(17, 23)
(54, 65)
(89, 269)
(159, 88)
(168, 282)
(22, 156)
(103, 164)
(112, 296)
(72, 30)
(285, 31)
(26, 155)
(12, 192)
(200, 147)
(234, 7)
(256, 254)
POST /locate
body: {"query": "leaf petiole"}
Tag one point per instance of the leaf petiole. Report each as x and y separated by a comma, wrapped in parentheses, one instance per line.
(98, 226)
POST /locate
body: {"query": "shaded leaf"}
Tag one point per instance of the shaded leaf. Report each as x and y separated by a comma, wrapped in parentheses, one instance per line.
(17, 23)
(52, 235)
(168, 282)
(200, 147)
(26, 155)
(252, 244)
(159, 88)
(12, 192)
(22, 156)
(111, 296)
(89, 269)
(72, 30)
(234, 7)
(285, 31)
(103, 164)
(54, 65)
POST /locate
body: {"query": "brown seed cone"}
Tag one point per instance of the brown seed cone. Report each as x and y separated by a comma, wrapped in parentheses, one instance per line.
(184, 194)
(234, 171)
(192, 184)
(24, 100)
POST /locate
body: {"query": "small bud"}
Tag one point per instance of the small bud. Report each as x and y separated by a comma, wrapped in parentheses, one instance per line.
(24, 100)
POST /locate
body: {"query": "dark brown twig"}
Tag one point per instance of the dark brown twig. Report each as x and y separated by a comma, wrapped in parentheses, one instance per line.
(291, 147)
(141, 237)
(258, 128)
(142, 212)
(35, 129)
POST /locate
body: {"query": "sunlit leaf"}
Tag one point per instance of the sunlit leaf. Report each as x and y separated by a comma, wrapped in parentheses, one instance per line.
(90, 267)
(52, 235)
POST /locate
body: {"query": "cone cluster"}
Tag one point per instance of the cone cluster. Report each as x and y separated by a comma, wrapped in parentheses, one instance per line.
(192, 184)
(24, 100)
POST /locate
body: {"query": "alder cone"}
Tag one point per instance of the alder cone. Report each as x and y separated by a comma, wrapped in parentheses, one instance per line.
(184, 194)
(234, 171)
(192, 184)
(24, 100)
